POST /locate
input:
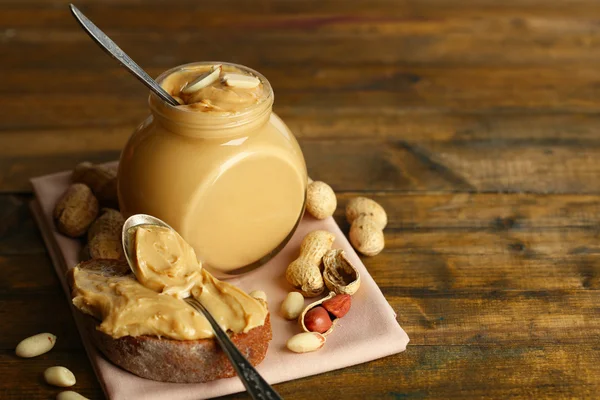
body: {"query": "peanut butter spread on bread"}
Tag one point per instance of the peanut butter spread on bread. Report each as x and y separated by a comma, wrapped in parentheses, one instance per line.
(167, 270)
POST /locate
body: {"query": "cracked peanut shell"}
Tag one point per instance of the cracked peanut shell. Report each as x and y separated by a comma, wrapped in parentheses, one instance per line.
(339, 274)
(313, 305)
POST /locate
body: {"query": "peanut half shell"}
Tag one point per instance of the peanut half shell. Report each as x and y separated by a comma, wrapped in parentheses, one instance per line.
(339, 274)
(313, 305)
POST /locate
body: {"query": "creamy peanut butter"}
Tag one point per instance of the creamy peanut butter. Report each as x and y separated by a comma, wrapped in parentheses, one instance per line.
(167, 269)
(216, 97)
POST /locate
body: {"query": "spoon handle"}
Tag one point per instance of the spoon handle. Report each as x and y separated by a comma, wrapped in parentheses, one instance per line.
(115, 51)
(256, 386)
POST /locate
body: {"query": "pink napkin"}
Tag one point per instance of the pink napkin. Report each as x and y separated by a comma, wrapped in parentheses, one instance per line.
(369, 331)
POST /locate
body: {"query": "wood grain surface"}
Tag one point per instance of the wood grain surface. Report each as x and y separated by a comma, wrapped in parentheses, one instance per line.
(475, 123)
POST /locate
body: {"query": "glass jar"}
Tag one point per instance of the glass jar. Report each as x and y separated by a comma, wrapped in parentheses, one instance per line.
(232, 184)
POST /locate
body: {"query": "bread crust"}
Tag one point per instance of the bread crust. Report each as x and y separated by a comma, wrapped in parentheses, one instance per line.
(168, 360)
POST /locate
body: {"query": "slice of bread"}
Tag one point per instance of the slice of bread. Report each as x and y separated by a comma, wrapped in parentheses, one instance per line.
(167, 360)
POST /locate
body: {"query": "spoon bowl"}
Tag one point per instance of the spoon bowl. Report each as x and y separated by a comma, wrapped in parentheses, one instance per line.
(128, 234)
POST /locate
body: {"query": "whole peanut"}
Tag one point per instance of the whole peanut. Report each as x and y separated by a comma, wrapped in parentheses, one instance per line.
(304, 273)
(362, 206)
(101, 179)
(365, 237)
(104, 236)
(320, 200)
(59, 376)
(35, 345)
(292, 306)
(367, 219)
(75, 211)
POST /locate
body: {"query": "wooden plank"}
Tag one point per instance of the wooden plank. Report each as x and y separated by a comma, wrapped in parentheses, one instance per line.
(348, 165)
(123, 15)
(283, 6)
(324, 17)
(521, 41)
(502, 317)
(153, 50)
(414, 87)
(413, 103)
(392, 19)
(424, 126)
(411, 126)
(543, 168)
(529, 253)
(448, 261)
(482, 211)
(376, 165)
(453, 372)
(449, 213)
(453, 214)
(458, 372)
(473, 166)
(311, 118)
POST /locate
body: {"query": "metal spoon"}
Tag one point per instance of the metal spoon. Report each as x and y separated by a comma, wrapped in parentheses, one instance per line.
(256, 386)
(115, 51)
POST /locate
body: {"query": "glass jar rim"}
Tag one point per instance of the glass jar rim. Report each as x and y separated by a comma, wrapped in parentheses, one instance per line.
(204, 119)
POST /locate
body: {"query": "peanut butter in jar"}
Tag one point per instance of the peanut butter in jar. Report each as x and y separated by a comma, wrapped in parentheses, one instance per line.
(222, 169)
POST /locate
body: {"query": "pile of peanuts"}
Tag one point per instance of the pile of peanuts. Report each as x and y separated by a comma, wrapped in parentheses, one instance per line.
(306, 274)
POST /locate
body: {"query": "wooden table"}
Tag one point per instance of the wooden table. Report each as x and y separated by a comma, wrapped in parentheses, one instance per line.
(475, 123)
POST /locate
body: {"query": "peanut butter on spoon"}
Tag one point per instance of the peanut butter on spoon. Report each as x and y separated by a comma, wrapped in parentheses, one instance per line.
(165, 263)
